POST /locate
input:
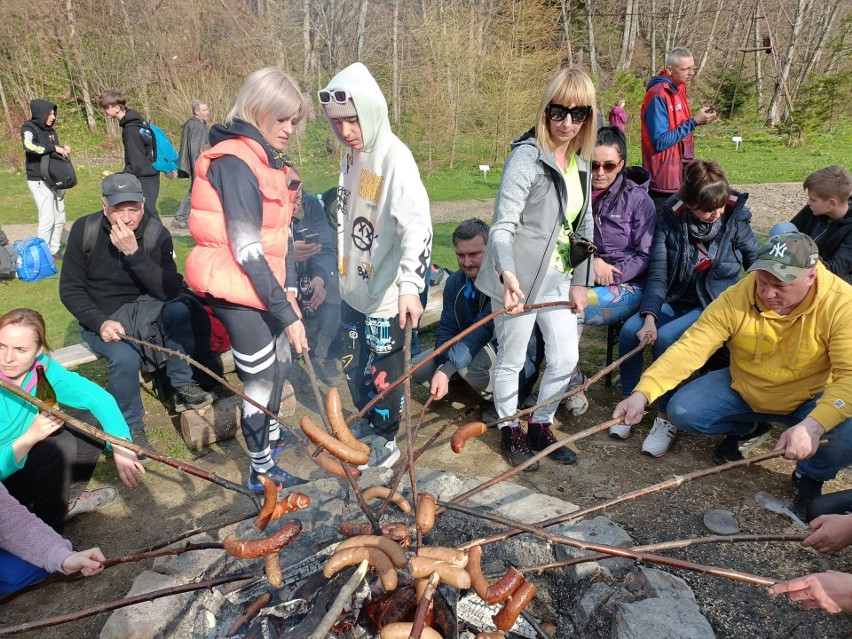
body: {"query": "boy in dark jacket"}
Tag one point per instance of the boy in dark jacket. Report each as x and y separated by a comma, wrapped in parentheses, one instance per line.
(827, 218)
(139, 146)
(40, 140)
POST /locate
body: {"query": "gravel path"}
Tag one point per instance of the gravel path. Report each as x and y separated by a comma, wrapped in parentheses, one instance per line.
(769, 203)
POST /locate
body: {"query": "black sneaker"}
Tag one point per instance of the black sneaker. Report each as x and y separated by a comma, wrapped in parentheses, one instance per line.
(737, 447)
(515, 448)
(540, 436)
(192, 397)
(363, 430)
(329, 371)
(805, 490)
(281, 478)
(140, 438)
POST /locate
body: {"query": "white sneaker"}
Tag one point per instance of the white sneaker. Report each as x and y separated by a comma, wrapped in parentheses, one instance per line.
(620, 431)
(660, 438)
(383, 453)
(577, 404)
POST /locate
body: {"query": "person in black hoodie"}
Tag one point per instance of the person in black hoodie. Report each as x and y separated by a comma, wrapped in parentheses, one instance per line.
(40, 139)
(139, 146)
(827, 218)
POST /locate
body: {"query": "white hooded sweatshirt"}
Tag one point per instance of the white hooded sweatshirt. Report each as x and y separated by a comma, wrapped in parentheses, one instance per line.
(384, 228)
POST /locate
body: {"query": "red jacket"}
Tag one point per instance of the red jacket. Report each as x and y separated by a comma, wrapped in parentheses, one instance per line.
(211, 266)
(667, 126)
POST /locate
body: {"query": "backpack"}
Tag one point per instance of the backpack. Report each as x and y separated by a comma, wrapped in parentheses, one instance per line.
(58, 173)
(34, 260)
(164, 157)
(8, 262)
(92, 226)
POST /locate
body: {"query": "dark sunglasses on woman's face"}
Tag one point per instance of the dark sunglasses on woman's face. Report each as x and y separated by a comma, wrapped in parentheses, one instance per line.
(340, 96)
(558, 112)
(608, 167)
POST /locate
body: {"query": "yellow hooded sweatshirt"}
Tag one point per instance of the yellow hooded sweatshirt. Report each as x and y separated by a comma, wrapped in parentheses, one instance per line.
(778, 362)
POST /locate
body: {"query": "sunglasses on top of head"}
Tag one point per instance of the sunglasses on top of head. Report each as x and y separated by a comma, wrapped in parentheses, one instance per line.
(558, 112)
(327, 97)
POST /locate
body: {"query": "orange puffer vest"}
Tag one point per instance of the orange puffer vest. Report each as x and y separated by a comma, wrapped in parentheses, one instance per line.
(211, 266)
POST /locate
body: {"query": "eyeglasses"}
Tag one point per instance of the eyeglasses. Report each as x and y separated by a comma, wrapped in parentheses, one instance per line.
(340, 96)
(558, 112)
(608, 167)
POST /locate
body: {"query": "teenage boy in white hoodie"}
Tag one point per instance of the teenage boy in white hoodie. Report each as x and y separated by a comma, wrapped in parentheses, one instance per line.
(384, 247)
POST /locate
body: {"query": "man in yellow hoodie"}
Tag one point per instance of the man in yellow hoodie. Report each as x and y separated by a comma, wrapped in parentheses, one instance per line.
(788, 327)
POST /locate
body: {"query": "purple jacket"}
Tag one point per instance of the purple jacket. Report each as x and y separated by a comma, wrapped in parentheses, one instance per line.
(28, 537)
(618, 117)
(625, 218)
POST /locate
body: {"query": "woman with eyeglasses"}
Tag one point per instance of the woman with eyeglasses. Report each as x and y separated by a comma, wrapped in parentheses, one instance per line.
(542, 206)
(241, 209)
(702, 242)
(624, 218)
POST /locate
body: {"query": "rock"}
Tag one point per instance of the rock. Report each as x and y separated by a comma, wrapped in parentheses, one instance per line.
(189, 565)
(588, 605)
(660, 618)
(215, 423)
(721, 522)
(150, 618)
(599, 530)
(650, 582)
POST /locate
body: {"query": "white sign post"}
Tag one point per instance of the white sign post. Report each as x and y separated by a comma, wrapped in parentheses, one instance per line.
(485, 168)
(737, 140)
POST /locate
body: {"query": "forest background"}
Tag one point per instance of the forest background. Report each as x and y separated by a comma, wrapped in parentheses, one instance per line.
(462, 77)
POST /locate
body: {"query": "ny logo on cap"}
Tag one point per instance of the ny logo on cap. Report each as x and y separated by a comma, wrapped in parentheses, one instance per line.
(778, 250)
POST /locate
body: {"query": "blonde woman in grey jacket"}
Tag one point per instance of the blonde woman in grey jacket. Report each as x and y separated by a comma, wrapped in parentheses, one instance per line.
(544, 198)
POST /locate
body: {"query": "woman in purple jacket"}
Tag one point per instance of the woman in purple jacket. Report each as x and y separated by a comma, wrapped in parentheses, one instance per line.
(625, 218)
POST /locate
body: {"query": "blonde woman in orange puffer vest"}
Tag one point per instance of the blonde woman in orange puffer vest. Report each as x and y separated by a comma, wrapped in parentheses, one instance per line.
(242, 201)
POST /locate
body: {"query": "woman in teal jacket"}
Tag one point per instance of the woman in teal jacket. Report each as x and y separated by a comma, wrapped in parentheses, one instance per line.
(38, 469)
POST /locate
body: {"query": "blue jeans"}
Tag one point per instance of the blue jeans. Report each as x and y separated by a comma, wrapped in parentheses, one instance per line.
(125, 360)
(16, 574)
(709, 406)
(671, 324)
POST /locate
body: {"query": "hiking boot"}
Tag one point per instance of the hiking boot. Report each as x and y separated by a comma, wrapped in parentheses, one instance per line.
(660, 438)
(805, 490)
(90, 501)
(489, 416)
(191, 397)
(363, 430)
(737, 447)
(329, 371)
(620, 431)
(540, 436)
(281, 478)
(577, 404)
(383, 453)
(180, 224)
(140, 438)
(515, 447)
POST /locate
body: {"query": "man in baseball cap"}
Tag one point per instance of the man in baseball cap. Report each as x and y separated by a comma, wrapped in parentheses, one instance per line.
(121, 187)
(788, 327)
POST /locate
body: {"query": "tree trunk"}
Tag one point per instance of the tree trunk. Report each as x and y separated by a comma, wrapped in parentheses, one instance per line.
(653, 37)
(773, 117)
(362, 27)
(137, 63)
(593, 56)
(758, 59)
(80, 68)
(711, 39)
(396, 114)
(6, 112)
(306, 42)
(823, 28)
(626, 50)
(565, 20)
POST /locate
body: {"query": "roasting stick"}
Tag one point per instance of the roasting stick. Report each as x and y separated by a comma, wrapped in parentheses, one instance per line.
(668, 545)
(340, 601)
(409, 453)
(628, 553)
(127, 601)
(445, 346)
(98, 434)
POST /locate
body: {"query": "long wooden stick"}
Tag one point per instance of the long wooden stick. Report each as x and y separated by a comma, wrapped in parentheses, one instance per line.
(674, 482)
(423, 606)
(668, 545)
(445, 346)
(98, 434)
(127, 601)
(615, 551)
(409, 434)
(340, 601)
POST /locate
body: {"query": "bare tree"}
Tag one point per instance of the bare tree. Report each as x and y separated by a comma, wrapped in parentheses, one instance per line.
(773, 116)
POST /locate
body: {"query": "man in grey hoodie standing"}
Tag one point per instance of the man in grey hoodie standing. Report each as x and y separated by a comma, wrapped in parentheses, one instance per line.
(194, 138)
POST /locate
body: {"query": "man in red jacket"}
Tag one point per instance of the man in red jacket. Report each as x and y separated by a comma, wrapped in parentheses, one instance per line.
(667, 124)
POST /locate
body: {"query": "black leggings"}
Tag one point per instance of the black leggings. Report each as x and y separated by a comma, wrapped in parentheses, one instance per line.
(373, 358)
(56, 468)
(262, 359)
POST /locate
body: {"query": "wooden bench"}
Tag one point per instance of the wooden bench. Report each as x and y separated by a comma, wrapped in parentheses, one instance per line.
(78, 354)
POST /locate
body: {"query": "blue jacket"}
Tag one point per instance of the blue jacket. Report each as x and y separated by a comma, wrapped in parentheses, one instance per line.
(736, 249)
(315, 222)
(464, 305)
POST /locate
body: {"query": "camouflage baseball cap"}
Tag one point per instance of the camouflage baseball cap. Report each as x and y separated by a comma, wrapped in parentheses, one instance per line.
(787, 255)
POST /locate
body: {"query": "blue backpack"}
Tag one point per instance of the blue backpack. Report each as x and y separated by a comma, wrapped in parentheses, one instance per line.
(164, 157)
(34, 260)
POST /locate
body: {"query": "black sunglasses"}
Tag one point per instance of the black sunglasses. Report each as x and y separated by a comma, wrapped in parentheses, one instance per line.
(294, 185)
(340, 96)
(558, 112)
(608, 167)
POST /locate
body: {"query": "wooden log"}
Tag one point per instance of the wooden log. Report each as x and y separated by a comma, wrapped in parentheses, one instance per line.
(215, 423)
